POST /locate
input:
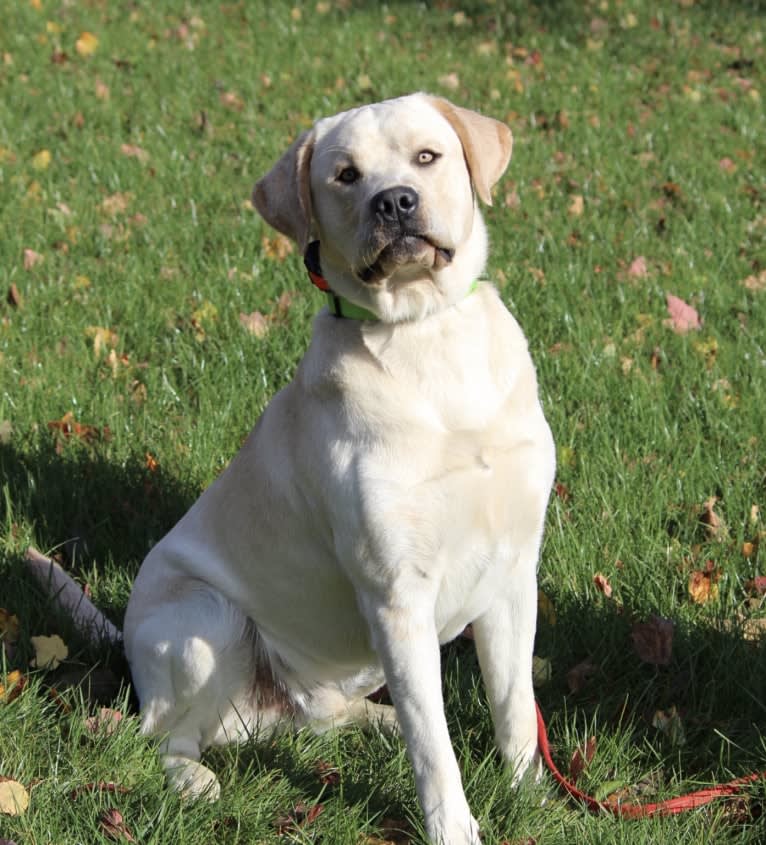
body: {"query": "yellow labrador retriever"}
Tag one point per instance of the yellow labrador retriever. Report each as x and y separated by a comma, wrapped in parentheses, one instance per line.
(393, 492)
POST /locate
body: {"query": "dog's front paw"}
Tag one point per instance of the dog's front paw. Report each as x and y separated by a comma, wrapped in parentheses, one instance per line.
(191, 779)
(462, 829)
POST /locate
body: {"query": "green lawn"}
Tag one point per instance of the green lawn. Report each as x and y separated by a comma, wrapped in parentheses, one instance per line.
(130, 137)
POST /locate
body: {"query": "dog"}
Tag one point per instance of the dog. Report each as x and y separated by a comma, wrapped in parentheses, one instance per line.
(392, 493)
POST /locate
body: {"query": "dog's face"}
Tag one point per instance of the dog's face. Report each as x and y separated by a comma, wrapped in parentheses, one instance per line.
(388, 189)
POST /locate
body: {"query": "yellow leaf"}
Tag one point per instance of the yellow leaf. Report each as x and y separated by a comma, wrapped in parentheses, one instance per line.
(52, 27)
(14, 799)
(49, 652)
(542, 671)
(86, 44)
(254, 323)
(9, 626)
(41, 160)
(577, 206)
(13, 686)
(102, 339)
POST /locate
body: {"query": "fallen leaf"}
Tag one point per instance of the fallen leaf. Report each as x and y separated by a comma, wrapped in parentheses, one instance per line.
(703, 584)
(580, 759)
(49, 652)
(255, 323)
(6, 428)
(576, 206)
(653, 640)
(116, 203)
(232, 100)
(41, 160)
(86, 44)
(669, 723)
(683, 317)
(13, 687)
(102, 338)
(14, 798)
(68, 427)
(542, 671)
(601, 582)
(13, 297)
(579, 675)
(277, 247)
(715, 527)
(32, 259)
(450, 81)
(134, 151)
(301, 816)
(638, 268)
(104, 722)
(756, 586)
(112, 824)
(327, 773)
(756, 282)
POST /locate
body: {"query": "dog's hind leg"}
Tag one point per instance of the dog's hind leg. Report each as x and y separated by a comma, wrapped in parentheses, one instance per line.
(194, 664)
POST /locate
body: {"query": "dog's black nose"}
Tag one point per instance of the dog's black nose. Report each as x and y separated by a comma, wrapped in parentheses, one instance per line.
(395, 204)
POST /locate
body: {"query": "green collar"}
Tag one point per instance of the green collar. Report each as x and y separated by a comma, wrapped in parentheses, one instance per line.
(339, 305)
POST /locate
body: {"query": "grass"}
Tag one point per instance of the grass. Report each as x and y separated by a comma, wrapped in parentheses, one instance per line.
(129, 251)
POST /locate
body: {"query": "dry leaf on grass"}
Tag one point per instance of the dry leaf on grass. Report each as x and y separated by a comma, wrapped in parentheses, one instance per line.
(579, 675)
(112, 824)
(254, 323)
(104, 722)
(14, 798)
(601, 583)
(580, 759)
(703, 583)
(13, 686)
(683, 317)
(49, 652)
(653, 640)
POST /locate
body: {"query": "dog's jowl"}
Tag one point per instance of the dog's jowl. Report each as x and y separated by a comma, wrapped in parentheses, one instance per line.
(393, 492)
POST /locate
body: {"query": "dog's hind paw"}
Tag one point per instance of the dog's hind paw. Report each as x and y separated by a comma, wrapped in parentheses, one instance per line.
(191, 779)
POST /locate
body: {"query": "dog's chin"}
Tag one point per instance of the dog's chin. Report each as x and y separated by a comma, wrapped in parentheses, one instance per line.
(408, 251)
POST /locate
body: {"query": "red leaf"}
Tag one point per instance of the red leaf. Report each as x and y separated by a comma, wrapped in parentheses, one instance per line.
(756, 586)
(683, 318)
(602, 584)
(638, 268)
(581, 758)
(653, 640)
(112, 824)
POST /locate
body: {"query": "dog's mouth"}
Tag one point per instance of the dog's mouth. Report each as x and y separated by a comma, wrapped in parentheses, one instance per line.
(408, 249)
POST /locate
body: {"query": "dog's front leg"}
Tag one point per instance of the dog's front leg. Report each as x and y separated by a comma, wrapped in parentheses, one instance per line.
(504, 636)
(406, 641)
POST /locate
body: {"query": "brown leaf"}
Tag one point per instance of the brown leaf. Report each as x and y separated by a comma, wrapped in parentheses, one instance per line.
(301, 816)
(576, 206)
(13, 297)
(113, 825)
(327, 773)
(756, 282)
(580, 759)
(579, 675)
(715, 527)
(756, 586)
(703, 584)
(653, 640)
(104, 722)
(134, 151)
(638, 268)
(232, 100)
(32, 259)
(683, 317)
(602, 584)
(67, 427)
(277, 247)
(255, 323)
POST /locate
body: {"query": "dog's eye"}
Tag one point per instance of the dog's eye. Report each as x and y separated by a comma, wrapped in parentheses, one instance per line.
(348, 175)
(427, 157)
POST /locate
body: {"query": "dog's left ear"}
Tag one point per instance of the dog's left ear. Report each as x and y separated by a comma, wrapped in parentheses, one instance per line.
(283, 195)
(487, 144)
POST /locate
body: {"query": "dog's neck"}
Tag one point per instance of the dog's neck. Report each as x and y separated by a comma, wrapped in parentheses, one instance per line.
(337, 305)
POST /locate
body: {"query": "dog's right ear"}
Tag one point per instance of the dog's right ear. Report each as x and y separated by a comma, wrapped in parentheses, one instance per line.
(283, 195)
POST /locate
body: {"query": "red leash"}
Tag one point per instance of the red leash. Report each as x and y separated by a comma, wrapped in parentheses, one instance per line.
(635, 811)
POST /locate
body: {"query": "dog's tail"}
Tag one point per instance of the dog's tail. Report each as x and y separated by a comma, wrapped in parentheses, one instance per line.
(69, 596)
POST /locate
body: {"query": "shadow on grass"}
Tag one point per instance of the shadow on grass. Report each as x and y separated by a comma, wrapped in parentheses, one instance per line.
(85, 506)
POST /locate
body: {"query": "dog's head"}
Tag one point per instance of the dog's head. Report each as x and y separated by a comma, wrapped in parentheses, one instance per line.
(389, 190)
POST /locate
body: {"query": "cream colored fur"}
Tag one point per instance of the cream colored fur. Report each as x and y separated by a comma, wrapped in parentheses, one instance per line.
(392, 493)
